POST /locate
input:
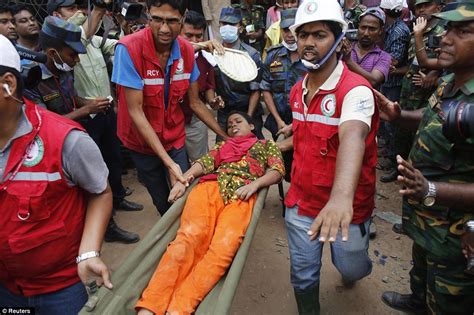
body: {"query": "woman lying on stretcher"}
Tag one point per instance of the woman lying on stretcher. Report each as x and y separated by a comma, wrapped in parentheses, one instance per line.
(214, 219)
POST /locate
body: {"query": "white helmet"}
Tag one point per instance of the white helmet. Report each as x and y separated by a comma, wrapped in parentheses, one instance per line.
(319, 10)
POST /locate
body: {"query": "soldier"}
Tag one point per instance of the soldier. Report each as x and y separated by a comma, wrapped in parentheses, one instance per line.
(413, 97)
(438, 178)
(253, 22)
(356, 9)
(281, 70)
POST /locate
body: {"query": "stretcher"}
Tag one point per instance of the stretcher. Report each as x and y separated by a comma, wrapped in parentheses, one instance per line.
(133, 275)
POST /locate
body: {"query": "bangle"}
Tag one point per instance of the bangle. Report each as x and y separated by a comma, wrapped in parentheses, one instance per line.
(87, 255)
(420, 49)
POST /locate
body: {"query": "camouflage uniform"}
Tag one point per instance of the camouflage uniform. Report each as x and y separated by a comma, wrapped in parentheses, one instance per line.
(437, 275)
(411, 96)
(252, 16)
(278, 76)
(355, 19)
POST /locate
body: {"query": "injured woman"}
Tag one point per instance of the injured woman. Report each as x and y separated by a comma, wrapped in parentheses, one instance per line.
(214, 219)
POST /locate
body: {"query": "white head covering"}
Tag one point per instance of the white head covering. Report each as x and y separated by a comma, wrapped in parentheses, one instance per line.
(9, 56)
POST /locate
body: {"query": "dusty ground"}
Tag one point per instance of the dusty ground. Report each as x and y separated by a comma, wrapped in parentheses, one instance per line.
(265, 285)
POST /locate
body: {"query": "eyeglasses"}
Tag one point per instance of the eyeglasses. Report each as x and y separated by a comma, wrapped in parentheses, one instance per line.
(172, 22)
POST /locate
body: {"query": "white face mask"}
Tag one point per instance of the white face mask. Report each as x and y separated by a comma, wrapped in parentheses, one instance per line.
(229, 33)
(292, 47)
(62, 67)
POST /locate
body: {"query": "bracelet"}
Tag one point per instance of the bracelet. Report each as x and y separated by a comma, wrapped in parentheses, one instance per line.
(87, 255)
(420, 49)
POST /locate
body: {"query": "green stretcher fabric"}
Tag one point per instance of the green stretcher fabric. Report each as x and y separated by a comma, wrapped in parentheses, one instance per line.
(131, 278)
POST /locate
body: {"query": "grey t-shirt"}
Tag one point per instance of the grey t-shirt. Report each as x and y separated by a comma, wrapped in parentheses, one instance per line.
(82, 163)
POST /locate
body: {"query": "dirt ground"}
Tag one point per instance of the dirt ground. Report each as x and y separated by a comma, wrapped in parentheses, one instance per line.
(265, 284)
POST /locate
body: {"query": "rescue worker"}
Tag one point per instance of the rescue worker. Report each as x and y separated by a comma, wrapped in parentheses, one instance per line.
(331, 195)
(239, 96)
(437, 180)
(281, 70)
(154, 70)
(54, 199)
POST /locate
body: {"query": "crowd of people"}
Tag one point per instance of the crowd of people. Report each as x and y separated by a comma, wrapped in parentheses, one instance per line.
(342, 87)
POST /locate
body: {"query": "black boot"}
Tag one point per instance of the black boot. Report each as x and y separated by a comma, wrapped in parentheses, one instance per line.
(115, 234)
(398, 228)
(308, 301)
(389, 177)
(126, 205)
(407, 303)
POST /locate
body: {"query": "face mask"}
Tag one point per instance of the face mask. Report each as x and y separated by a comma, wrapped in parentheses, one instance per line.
(292, 47)
(62, 67)
(229, 33)
(78, 18)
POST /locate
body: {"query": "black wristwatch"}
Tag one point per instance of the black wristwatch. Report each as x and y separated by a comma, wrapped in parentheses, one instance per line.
(430, 198)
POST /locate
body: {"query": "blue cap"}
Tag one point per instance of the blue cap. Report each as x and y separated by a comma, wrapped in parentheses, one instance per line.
(230, 15)
(287, 17)
(53, 5)
(377, 12)
(64, 31)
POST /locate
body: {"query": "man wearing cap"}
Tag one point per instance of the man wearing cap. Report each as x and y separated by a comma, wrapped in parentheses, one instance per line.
(61, 42)
(154, 70)
(281, 70)
(412, 96)
(364, 56)
(396, 41)
(241, 96)
(7, 22)
(331, 196)
(54, 199)
(91, 81)
(438, 193)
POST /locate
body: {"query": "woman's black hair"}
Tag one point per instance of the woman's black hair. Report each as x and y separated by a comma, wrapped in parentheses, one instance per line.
(244, 115)
(175, 4)
(19, 80)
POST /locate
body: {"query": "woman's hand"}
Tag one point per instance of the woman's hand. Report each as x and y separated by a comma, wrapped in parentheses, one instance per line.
(176, 192)
(247, 191)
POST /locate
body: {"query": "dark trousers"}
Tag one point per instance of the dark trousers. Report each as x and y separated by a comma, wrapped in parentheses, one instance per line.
(103, 130)
(154, 175)
(69, 300)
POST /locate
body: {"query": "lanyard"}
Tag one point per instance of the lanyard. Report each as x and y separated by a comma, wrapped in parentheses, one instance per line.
(25, 155)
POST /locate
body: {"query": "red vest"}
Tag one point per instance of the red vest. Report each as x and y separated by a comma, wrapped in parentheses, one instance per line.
(316, 142)
(168, 123)
(42, 217)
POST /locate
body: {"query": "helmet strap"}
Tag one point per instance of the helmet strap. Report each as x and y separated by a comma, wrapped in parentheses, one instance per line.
(316, 66)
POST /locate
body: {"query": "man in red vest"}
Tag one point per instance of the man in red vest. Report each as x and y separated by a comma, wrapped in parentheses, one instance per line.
(55, 202)
(154, 70)
(331, 196)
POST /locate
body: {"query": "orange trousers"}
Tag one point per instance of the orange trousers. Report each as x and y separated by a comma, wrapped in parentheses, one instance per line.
(207, 240)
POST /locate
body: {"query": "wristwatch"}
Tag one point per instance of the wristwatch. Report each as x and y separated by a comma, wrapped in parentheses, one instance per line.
(430, 198)
(87, 255)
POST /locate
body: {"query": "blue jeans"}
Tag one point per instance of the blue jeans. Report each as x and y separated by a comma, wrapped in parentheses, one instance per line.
(154, 175)
(67, 301)
(350, 258)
